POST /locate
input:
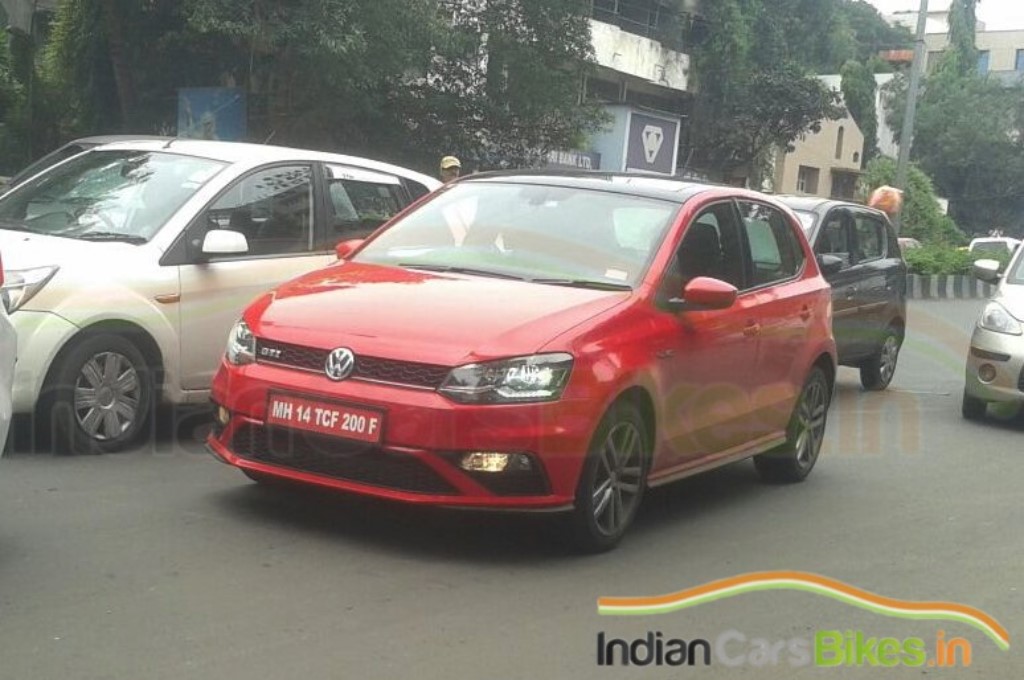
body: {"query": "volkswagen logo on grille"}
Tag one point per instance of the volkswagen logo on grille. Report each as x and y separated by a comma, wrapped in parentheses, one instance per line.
(340, 364)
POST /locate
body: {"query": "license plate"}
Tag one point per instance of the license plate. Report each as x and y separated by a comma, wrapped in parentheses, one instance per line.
(327, 418)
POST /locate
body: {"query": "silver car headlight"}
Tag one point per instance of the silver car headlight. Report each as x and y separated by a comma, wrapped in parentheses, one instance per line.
(241, 345)
(995, 318)
(541, 377)
(21, 285)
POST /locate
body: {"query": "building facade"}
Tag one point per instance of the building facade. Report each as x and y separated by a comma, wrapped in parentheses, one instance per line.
(643, 80)
(826, 163)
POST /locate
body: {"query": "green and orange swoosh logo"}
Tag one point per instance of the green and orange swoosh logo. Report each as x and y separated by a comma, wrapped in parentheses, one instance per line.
(820, 585)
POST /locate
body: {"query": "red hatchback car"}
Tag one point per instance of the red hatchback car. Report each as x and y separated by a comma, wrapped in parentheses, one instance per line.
(540, 341)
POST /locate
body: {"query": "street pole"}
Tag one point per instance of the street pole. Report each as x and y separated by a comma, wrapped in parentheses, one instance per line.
(907, 135)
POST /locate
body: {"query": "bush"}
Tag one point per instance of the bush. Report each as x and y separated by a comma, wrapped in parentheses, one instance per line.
(932, 260)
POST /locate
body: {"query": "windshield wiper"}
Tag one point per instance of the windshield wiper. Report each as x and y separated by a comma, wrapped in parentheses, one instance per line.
(584, 283)
(462, 270)
(110, 236)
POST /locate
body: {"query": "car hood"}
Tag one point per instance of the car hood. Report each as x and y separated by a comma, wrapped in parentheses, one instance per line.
(21, 250)
(445, 319)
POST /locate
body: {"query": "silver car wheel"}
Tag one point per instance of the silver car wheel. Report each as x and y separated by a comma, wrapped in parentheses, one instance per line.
(107, 395)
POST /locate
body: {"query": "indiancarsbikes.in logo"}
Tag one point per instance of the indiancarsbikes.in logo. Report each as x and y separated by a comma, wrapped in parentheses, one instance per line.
(828, 648)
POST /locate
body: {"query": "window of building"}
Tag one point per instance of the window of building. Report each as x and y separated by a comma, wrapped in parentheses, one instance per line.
(983, 58)
(807, 180)
(1020, 61)
(839, 142)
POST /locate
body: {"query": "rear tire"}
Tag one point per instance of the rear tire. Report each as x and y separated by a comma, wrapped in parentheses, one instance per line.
(795, 459)
(972, 408)
(612, 482)
(876, 373)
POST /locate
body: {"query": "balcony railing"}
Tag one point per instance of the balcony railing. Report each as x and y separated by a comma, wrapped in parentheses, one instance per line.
(652, 19)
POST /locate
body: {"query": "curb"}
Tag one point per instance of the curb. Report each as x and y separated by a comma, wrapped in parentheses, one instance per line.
(947, 287)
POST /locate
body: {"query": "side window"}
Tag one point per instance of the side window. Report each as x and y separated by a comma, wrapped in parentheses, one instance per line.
(360, 201)
(272, 208)
(415, 189)
(835, 236)
(774, 247)
(711, 246)
(871, 238)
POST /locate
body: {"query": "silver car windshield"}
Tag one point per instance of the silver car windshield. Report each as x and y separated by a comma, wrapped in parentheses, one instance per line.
(546, 233)
(107, 195)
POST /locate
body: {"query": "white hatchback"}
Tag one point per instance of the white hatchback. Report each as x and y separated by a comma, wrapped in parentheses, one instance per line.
(128, 264)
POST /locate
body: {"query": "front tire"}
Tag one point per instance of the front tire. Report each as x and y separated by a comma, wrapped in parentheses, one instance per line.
(612, 482)
(972, 408)
(795, 459)
(101, 396)
(877, 372)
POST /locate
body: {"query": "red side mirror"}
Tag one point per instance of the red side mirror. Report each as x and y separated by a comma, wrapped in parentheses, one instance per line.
(707, 293)
(346, 248)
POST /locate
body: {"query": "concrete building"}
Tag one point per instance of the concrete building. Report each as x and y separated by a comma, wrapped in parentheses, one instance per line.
(643, 80)
(826, 163)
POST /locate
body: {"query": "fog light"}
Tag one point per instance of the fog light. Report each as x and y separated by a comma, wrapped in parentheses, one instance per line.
(987, 373)
(223, 416)
(485, 461)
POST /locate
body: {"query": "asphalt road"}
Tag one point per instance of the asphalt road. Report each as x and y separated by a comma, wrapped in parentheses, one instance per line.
(162, 563)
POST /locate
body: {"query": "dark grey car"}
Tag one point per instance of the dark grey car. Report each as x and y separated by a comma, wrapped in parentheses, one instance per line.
(865, 267)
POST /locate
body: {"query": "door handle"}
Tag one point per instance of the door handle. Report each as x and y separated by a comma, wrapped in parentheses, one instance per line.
(751, 329)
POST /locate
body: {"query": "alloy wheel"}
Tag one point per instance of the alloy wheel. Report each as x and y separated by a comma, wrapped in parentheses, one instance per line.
(618, 481)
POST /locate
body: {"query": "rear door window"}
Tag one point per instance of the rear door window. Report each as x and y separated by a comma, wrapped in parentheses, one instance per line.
(359, 201)
(871, 238)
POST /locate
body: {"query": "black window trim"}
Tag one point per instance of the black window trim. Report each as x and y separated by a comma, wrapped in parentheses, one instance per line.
(178, 255)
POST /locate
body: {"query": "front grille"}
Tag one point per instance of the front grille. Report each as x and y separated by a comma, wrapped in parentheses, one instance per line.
(338, 458)
(413, 374)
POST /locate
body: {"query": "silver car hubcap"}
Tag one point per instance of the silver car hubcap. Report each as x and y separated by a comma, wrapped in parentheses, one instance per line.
(107, 396)
(811, 423)
(618, 480)
(890, 349)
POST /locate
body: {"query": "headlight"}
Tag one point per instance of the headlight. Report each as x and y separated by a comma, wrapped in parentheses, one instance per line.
(995, 318)
(21, 285)
(535, 378)
(241, 345)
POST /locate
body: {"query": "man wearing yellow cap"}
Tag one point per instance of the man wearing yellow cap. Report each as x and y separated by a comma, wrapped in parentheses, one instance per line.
(450, 168)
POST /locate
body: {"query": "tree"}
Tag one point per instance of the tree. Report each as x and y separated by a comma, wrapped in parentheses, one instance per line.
(859, 89)
(962, 56)
(752, 101)
(504, 82)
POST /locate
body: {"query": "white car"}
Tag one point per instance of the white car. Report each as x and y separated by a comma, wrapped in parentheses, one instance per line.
(8, 355)
(993, 245)
(128, 264)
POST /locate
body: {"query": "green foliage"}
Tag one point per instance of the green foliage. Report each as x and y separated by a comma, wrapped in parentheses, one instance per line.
(961, 59)
(756, 91)
(859, 88)
(937, 259)
(922, 216)
(970, 139)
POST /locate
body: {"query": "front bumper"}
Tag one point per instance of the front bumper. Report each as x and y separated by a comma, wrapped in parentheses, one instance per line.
(1005, 355)
(423, 439)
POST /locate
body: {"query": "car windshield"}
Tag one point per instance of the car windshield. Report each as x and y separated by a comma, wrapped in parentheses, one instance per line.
(122, 194)
(549, 234)
(990, 247)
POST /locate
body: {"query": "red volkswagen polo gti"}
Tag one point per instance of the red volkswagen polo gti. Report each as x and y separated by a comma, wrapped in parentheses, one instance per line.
(540, 342)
